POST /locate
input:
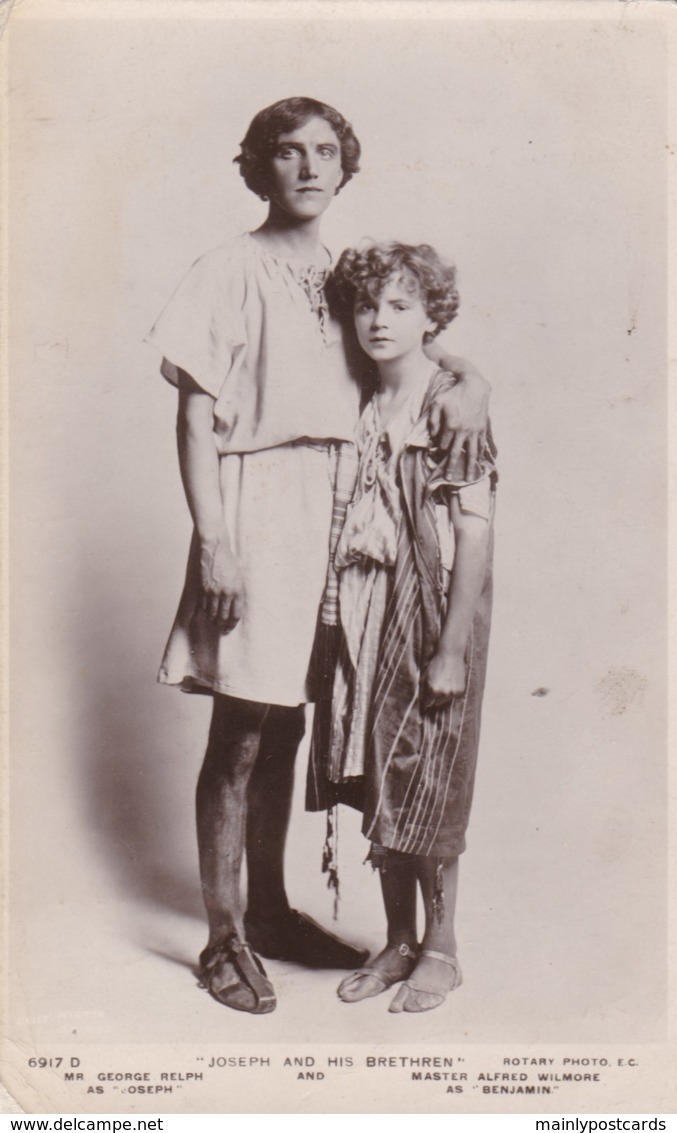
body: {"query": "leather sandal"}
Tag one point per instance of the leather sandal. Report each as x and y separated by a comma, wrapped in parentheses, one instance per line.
(233, 974)
(358, 979)
(407, 998)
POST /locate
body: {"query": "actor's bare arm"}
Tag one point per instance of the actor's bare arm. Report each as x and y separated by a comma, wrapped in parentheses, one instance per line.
(220, 575)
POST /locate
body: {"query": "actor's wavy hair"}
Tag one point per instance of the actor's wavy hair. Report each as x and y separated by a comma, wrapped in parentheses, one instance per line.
(260, 141)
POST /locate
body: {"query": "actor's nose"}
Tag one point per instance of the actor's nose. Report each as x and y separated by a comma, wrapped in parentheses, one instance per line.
(309, 167)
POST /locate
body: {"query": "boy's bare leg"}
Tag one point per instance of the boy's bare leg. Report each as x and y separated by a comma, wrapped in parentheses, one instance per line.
(440, 935)
(398, 886)
(434, 977)
(396, 961)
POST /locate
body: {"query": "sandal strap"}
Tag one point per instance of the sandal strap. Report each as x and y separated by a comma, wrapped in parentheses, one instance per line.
(413, 986)
(212, 955)
(237, 952)
(451, 960)
(404, 950)
(373, 973)
(223, 950)
(247, 963)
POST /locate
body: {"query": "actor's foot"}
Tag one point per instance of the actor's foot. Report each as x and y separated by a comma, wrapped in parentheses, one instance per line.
(234, 976)
(435, 975)
(297, 937)
(393, 964)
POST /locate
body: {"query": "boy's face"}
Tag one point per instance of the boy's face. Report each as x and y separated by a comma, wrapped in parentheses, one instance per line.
(393, 323)
(306, 169)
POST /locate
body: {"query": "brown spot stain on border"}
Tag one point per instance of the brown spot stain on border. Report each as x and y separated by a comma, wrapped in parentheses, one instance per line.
(620, 689)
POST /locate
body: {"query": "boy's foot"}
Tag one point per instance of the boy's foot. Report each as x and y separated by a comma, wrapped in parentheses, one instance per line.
(393, 964)
(298, 938)
(435, 975)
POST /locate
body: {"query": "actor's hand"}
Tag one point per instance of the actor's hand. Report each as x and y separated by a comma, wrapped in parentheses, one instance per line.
(458, 420)
(222, 586)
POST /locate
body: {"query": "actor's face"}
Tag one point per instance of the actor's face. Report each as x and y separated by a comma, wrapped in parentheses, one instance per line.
(306, 169)
(392, 324)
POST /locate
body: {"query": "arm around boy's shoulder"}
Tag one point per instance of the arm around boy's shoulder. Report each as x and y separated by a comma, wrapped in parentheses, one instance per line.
(451, 465)
(458, 414)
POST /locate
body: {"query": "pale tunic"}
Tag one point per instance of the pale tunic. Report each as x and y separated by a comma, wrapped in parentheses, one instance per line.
(253, 331)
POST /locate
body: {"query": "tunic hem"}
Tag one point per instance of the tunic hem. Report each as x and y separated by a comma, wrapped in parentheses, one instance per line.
(198, 683)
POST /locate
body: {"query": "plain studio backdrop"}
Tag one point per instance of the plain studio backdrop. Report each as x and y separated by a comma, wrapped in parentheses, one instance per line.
(532, 151)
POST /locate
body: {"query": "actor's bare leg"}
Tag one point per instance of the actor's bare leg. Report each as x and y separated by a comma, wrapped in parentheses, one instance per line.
(396, 961)
(271, 787)
(221, 805)
(271, 927)
(228, 969)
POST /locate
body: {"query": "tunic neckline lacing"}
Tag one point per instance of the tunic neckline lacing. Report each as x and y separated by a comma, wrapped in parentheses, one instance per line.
(309, 277)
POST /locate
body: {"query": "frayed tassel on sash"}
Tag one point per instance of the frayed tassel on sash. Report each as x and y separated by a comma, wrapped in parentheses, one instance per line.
(330, 856)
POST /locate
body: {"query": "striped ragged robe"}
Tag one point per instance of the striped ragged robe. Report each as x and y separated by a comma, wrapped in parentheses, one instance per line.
(419, 769)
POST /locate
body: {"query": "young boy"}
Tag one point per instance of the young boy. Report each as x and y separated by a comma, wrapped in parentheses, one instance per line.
(414, 565)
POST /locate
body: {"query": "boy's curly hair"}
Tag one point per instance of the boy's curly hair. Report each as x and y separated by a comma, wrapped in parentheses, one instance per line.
(365, 271)
(260, 141)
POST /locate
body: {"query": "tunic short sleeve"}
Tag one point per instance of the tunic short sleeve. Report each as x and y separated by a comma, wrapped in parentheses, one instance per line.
(202, 330)
(251, 330)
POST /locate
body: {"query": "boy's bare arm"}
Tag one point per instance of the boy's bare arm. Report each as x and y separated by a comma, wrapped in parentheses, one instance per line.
(459, 417)
(446, 674)
(220, 576)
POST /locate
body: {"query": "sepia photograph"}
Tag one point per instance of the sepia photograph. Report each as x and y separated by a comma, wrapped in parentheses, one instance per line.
(335, 352)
